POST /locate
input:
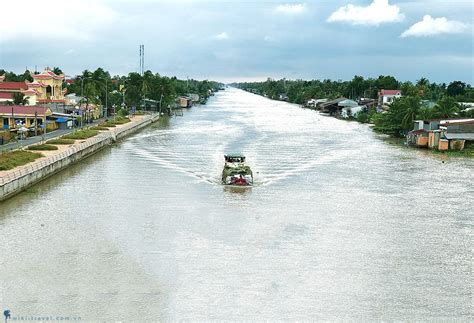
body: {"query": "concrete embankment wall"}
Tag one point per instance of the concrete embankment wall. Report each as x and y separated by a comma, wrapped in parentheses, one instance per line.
(16, 181)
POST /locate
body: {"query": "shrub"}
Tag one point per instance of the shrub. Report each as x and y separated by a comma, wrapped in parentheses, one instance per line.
(82, 134)
(122, 113)
(107, 124)
(16, 158)
(60, 141)
(42, 147)
(121, 120)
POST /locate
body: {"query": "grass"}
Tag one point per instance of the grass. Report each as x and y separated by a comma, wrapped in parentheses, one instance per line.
(60, 141)
(17, 158)
(468, 151)
(42, 147)
(82, 134)
(108, 124)
(112, 123)
(121, 120)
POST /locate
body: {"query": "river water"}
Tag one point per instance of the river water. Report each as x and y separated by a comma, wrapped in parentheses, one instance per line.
(340, 224)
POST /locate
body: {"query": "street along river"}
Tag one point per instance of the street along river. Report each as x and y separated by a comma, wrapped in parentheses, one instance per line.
(340, 224)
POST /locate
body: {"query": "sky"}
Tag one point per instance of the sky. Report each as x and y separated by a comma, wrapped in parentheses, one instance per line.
(244, 40)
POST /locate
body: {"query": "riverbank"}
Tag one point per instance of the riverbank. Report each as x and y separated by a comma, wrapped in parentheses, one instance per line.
(20, 178)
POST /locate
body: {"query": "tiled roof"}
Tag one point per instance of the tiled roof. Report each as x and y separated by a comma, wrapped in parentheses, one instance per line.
(23, 109)
(6, 95)
(390, 92)
(13, 86)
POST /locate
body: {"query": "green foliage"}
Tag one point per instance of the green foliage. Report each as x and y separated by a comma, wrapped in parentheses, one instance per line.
(447, 107)
(456, 88)
(19, 99)
(399, 119)
(122, 112)
(81, 134)
(42, 147)
(12, 159)
(60, 141)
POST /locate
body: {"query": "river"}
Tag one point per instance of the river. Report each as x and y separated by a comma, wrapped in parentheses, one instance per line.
(340, 224)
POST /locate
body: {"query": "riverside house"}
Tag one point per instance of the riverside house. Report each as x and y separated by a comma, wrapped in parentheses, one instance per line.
(386, 98)
(14, 117)
(441, 134)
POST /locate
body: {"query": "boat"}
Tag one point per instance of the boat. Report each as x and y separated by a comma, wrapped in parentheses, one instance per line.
(236, 172)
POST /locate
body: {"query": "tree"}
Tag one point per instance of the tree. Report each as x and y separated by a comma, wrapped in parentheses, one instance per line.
(57, 71)
(19, 99)
(456, 88)
(447, 107)
(425, 113)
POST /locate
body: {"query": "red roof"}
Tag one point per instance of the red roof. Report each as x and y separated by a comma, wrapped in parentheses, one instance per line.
(13, 86)
(22, 109)
(48, 75)
(390, 92)
(6, 95)
(50, 101)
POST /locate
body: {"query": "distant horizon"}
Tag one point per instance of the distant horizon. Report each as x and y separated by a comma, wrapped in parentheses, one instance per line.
(243, 79)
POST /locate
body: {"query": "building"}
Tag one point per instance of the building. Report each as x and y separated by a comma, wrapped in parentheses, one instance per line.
(441, 134)
(313, 103)
(185, 102)
(386, 97)
(46, 88)
(14, 117)
(8, 89)
(49, 87)
(331, 106)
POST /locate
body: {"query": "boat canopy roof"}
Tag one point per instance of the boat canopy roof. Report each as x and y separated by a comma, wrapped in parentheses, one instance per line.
(234, 158)
(234, 155)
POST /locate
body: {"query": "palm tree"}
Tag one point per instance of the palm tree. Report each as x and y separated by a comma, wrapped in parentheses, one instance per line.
(447, 107)
(410, 106)
(425, 113)
(19, 99)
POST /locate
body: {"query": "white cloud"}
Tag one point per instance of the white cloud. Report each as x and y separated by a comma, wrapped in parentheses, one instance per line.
(72, 19)
(434, 26)
(222, 36)
(378, 12)
(291, 9)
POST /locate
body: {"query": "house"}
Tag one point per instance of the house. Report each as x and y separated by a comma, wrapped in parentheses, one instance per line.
(368, 103)
(14, 117)
(458, 132)
(313, 103)
(349, 108)
(8, 89)
(386, 97)
(426, 124)
(331, 106)
(194, 97)
(441, 134)
(46, 88)
(418, 138)
(185, 102)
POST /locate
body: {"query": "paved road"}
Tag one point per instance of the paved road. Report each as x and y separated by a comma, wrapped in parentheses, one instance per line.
(37, 139)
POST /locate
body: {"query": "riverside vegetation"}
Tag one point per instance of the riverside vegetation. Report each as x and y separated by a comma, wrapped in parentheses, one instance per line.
(403, 111)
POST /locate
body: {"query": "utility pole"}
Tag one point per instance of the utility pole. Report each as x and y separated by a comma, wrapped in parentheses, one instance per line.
(36, 123)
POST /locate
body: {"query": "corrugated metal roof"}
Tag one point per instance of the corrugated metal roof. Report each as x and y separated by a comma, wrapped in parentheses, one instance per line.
(465, 135)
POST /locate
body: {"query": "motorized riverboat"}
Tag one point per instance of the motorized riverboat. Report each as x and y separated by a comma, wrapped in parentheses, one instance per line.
(236, 172)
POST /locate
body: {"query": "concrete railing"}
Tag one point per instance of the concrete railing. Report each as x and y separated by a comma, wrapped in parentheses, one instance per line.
(15, 181)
